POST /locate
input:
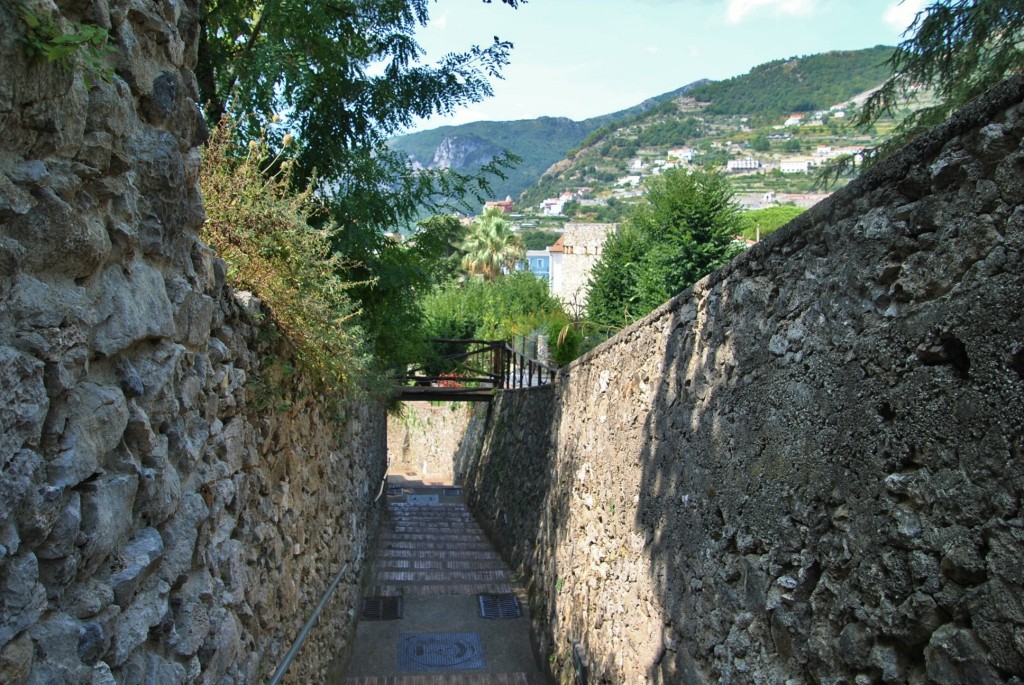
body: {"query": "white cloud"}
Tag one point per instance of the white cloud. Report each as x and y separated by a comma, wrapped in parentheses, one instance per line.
(694, 51)
(899, 14)
(738, 10)
(441, 23)
(651, 49)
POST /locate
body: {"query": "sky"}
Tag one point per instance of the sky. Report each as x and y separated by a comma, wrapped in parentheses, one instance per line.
(584, 58)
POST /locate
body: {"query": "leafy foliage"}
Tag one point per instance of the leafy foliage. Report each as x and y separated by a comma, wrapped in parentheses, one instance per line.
(768, 220)
(345, 75)
(491, 247)
(538, 240)
(44, 39)
(797, 84)
(259, 225)
(957, 48)
(682, 231)
(513, 306)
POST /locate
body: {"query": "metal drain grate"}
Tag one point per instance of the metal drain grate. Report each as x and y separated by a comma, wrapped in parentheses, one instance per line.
(381, 608)
(499, 606)
(421, 499)
(429, 651)
(451, 492)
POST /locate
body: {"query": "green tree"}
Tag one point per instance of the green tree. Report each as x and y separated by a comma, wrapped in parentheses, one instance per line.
(767, 220)
(761, 143)
(437, 241)
(683, 230)
(343, 76)
(792, 145)
(957, 48)
(491, 246)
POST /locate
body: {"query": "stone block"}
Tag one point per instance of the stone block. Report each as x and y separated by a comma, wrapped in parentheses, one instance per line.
(133, 624)
(19, 476)
(87, 599)
(107, 504)
(179, 534)
(954, 656)
(64, 534)
(59, 238)
(95, 418)
(23, 404)
(22, 597)
(56, 645)
(16, 658)
(130, 307)
(139, 557)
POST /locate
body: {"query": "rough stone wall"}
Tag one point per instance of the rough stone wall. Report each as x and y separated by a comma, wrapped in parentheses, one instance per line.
(424, 439)
(171, 507)
(808, 468)
(582, 244)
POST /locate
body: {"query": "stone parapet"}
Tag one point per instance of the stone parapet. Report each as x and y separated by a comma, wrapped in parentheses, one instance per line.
(809, 467)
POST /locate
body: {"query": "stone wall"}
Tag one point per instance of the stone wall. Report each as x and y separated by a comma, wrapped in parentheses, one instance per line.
(424, 439)
(809, 467)
(171, 505)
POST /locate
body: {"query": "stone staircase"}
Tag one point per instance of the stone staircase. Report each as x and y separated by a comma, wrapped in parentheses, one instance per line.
(433, 578)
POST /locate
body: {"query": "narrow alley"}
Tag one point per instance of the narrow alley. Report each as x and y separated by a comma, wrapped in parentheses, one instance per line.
(440, 606)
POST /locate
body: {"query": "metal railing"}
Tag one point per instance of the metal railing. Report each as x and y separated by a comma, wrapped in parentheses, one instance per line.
(472, 370)
(304, 633)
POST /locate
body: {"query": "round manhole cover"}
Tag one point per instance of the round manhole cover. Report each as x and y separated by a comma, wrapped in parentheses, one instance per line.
(424, 651)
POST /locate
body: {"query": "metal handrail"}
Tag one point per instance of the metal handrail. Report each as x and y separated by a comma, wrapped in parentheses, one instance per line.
(304, 633)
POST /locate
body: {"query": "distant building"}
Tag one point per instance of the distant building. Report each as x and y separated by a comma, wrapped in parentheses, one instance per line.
(552, 206)
(539, 262)
(506, 205)
(801, 166)
(747, 164)
(685, 154)
(794, 120)
(573, 256)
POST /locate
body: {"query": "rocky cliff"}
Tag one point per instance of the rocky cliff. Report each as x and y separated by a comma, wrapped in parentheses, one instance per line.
(809, 467)
(171, 507)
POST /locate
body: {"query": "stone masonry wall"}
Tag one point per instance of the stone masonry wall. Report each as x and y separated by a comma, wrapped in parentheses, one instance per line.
(423, 440)
(809, 467)
(172, 506)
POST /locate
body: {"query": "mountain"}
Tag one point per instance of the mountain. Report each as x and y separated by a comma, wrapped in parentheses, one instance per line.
(558, 153)
(797, 84)
(538, 142)
(743, 119)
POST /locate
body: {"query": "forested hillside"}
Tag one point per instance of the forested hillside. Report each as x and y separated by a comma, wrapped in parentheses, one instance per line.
(742, 118)
(798, 84)
(539, 143)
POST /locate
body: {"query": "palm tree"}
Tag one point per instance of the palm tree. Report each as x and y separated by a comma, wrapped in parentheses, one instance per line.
(491, 246)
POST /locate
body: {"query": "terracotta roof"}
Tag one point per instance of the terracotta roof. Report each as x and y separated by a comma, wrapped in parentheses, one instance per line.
(559, 245)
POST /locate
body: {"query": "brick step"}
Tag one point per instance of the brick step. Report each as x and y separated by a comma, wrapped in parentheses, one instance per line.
(404, 553)
(499, 576)
(390, 590)
(439, 564)
(440, 507)
(435, 529)
(439, 525)
(431, 538)
(443, 679)
(441, 546)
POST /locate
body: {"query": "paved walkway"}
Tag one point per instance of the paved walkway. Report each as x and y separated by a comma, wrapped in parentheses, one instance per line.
(434, 568)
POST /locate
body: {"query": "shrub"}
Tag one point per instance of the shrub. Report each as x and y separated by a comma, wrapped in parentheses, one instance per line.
(258, 224)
